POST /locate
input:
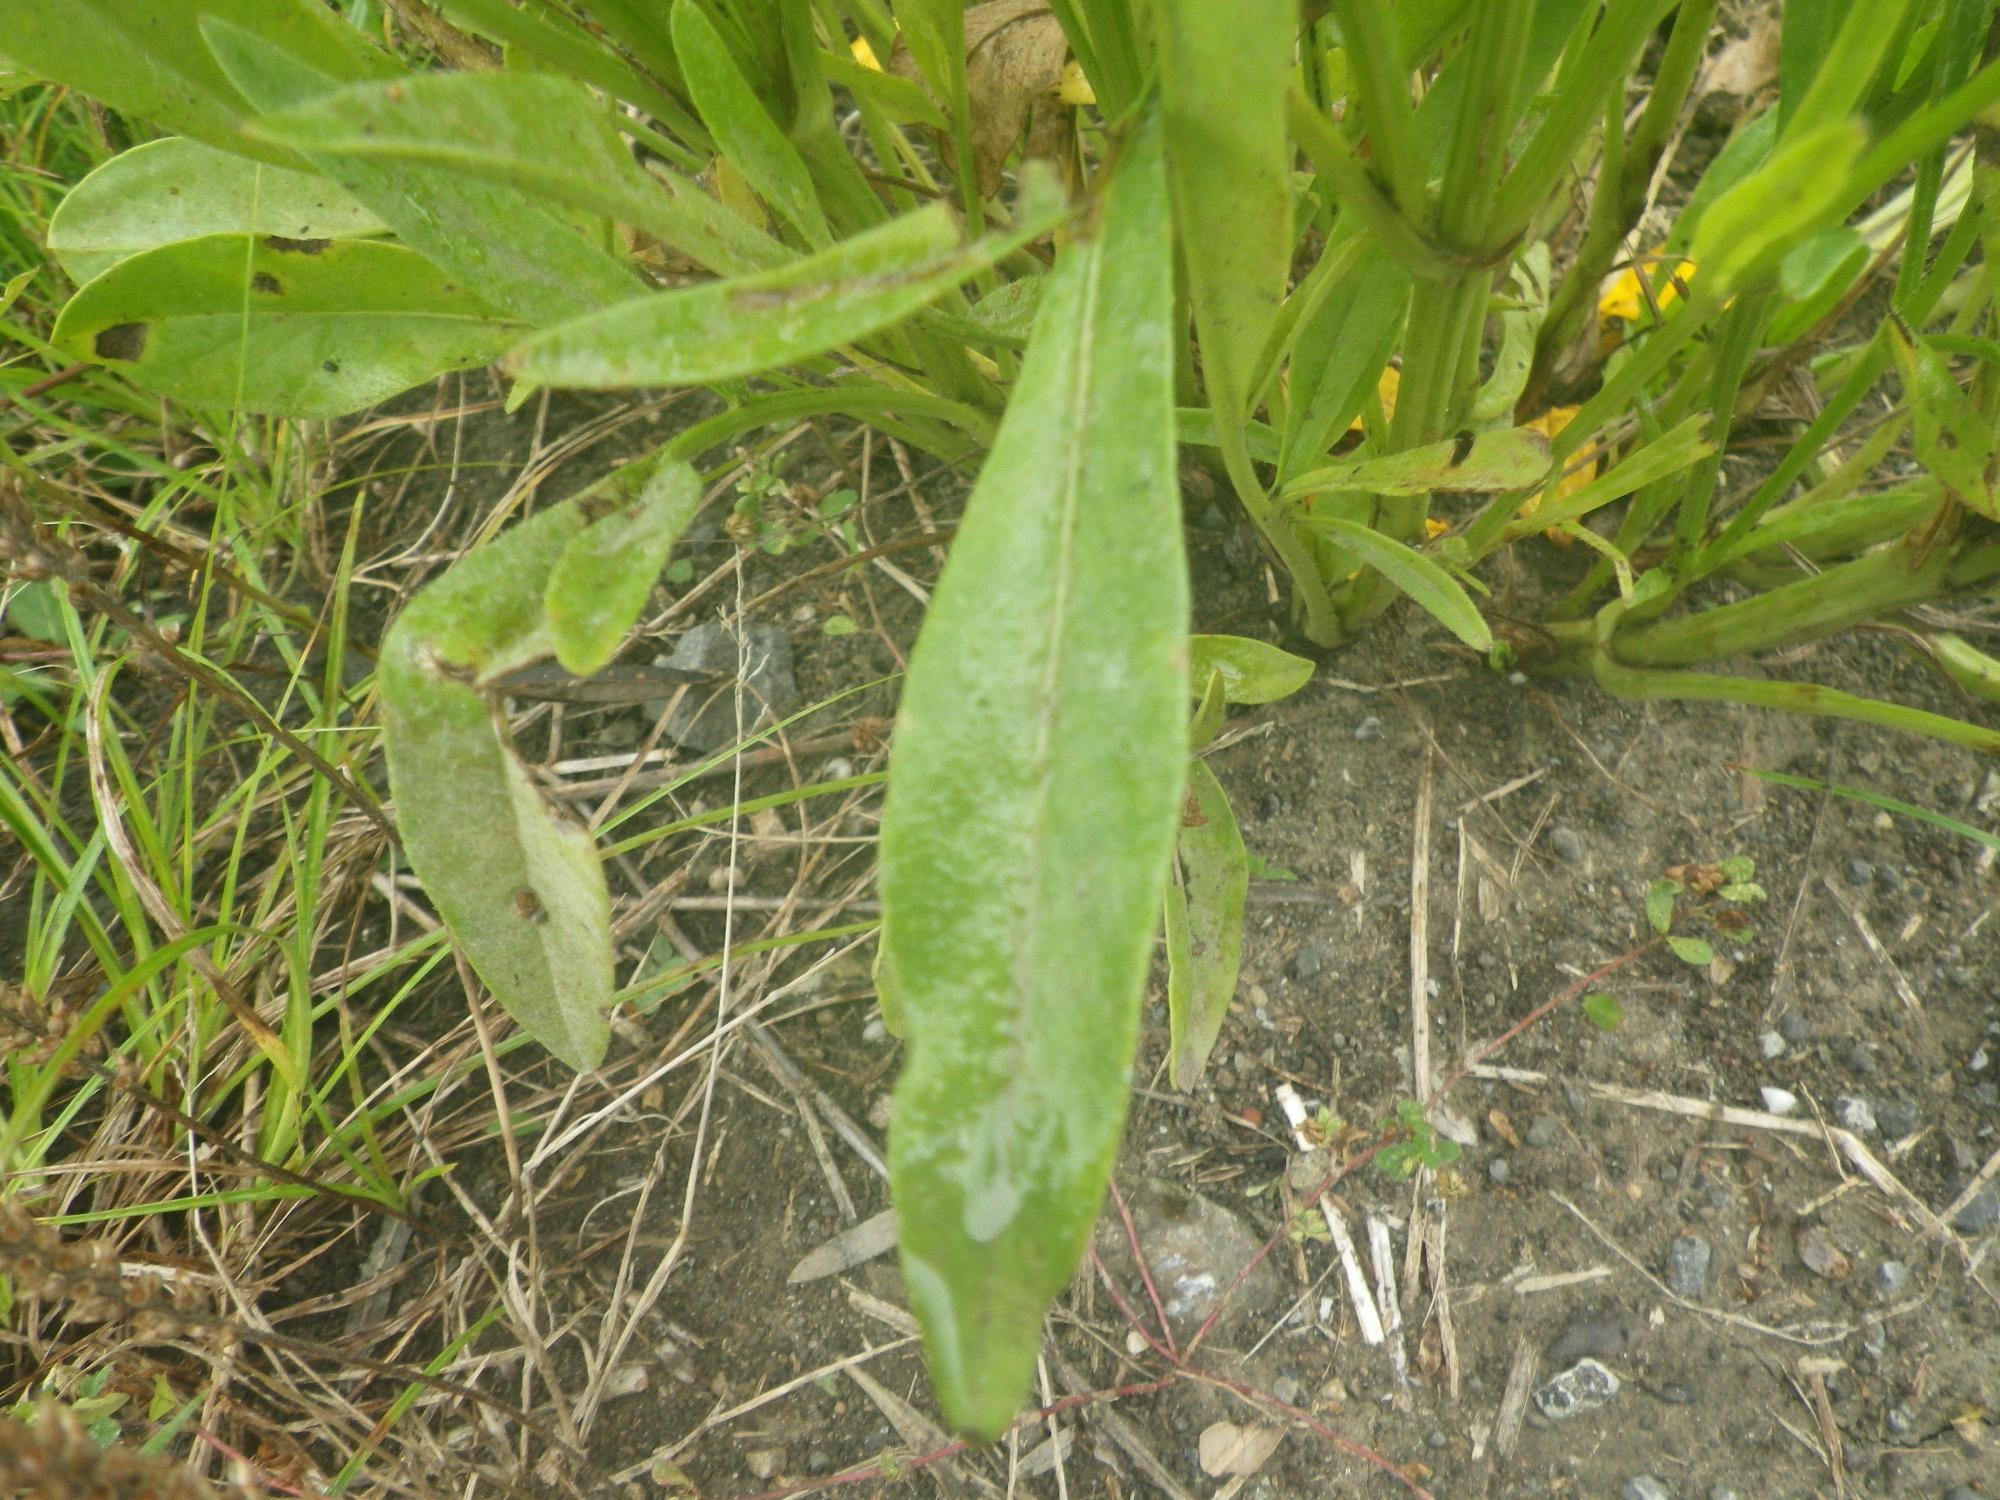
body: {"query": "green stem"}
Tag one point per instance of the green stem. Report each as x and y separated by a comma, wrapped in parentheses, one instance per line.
(1322, 625)
(1382, 85)
(1788, 697)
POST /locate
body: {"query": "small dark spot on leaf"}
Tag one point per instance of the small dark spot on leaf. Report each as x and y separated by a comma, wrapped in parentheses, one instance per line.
(331, 366)
(121, 341)
(528, 907)
(266, 283)
(1461, 448)
(287, 246)
(173, 192)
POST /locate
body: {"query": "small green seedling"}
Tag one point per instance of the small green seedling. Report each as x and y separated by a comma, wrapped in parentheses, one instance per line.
(1421, 1145)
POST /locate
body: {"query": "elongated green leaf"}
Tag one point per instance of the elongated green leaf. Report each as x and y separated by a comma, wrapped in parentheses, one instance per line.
(745, 131)
(543, 135)
(1952, 440)
(1673, 450)
(519, 885)
(724, 329)
(1204, 924)
(1802, 186)
(898, 98)
(179, 189)
(1227, 155)
(506, 247)
(1252, 671)
(147, 57)
(1208, 713)
(1510, 459)
(1034, 797)
(1416, 575)
(303, 328)
(1341, 354)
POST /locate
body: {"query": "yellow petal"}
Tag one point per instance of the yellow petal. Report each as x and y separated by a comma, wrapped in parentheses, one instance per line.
(1435, 527)
(864, 54)
(1073, 88)
(1385, 388)
(1624, 298)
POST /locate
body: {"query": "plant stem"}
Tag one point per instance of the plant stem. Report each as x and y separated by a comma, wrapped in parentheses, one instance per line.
(1382, 85)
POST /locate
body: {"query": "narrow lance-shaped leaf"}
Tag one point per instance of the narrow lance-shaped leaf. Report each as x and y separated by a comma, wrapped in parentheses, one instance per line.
(1204, 924)
(724, 329)
(1034, 797)
(1510, 459)
(300, 328)
(519, 884)
(1252, 671)
(179, 189)
(1230, 166)
(1423, 580)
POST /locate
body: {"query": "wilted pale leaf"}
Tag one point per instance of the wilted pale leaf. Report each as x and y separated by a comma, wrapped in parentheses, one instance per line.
(1226, 1449)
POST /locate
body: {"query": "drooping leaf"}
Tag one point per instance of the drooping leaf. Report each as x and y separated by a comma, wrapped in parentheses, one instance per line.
(1204, 924)
(1510, 459)
(1225, 120)
(519, 885)
(1208, 712)
(543, 135)
(515, 253)
(147, 57)
(1435, 590)
(302, 328)
(179, 189)
(724, 329)
(1034, 799)
(599, 584)
(1252, 671)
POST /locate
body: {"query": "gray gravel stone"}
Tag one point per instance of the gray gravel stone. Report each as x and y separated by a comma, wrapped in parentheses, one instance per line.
(1584, 1386)
(1891, 1277)
(1543, 1130)
(1195, 1248)
(1370, 728)
(1770, 1045)
(1644, 1487)
(1567, 844)
(1794, 1027)
(1498, 1171)
(1897, 1117)
(1688, 1260)
(1859, 872)
(1856, 1113)
(1982, 1213)
(1860, 1060)
(1308, 962)
(1721, 1492)
(706, 718)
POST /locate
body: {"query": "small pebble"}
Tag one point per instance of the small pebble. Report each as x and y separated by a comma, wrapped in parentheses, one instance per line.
(1859, 872)
(1498, 1170)
(1273, 806)
(1543, 1130)
(1721, 1492)
(1778, 1101)
(1794, 1027)
(1889, 877)
(1860, 1060)
(1977, 1063)
(875, 1030)
(1644, 1487)
(1436, 1441)
(1308, 962)
(1897, 1117)
(1982, 1213)
(819, 1461)
(1288, 1390)
(1857, 1114)
(1891, 1277)
(1584, 1386)
(1675, 1392)
(764, 1463)
(1566, 843)
(1902, 1421)
(1985, 1095)
(1688, 1260)
(1370, 728)
(1770, 1045)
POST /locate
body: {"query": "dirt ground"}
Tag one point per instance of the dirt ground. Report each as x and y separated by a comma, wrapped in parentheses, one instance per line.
(1823, 1336)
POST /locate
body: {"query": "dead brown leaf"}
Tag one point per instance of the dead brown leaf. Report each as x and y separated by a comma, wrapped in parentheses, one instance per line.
(1227, 1449)
(1014, 56)
(1822, 1256)
(1746, 66)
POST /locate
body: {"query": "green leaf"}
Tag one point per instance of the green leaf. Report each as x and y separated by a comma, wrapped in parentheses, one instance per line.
(1814, 277)
(1034, 801)
(1204, 924)
(1252, 671)
(301, 328)
(519, 885)
(1513, 458)
(34, 610)
(545, 136)
(1342, 351)
(1743, 891)
(1660, 898)
(1519, 325)
(599, 585)
(1738, 867)
(509, 249)
(743, 128)
(1604, 1011)
(1435, 590)
(899, 99)
(1801, 186)
(1222, 91)
(1208, 713)
(1887, 804)
(724, 329)
(178, 189)
(1692, 950)
(147, 58)
(1952, 440)
(838, 625)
